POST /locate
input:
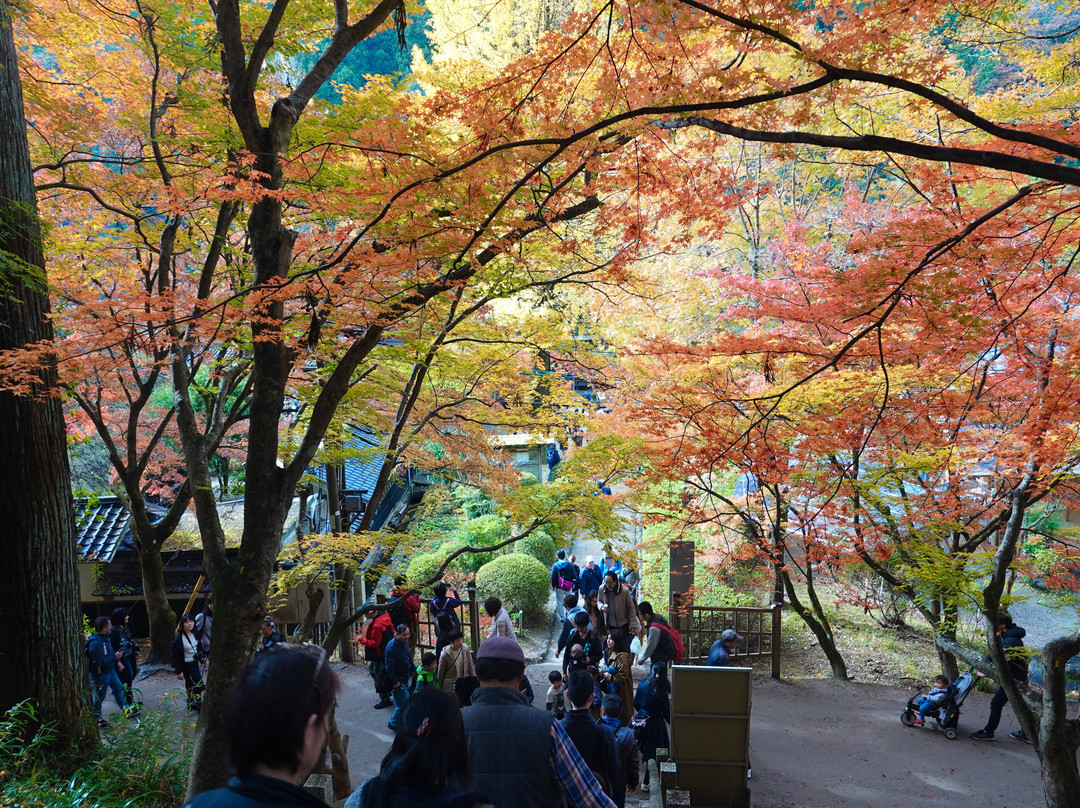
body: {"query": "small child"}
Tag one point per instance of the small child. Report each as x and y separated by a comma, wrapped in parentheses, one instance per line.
(425, 671)
(933, 700)
(556, 695)
(577, 660)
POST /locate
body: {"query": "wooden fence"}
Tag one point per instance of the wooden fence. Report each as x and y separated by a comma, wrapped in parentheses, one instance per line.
(701, 626)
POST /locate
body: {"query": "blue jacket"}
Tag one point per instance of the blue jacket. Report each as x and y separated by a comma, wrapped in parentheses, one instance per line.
(591, 579)
(399, 666)
(101, 654)
(566, 571)
(719, 656)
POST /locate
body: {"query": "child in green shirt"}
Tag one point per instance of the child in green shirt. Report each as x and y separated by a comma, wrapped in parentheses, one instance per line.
(425, 671)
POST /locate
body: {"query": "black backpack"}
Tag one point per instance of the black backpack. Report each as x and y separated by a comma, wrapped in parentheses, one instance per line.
(92, 658)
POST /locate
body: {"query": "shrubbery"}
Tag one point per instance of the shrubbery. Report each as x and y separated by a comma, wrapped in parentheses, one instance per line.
(518, 579)
(423, 566)
(539, 545)
(143, 765)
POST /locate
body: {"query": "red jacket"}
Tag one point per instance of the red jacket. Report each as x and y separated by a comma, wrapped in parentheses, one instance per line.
(376, 636)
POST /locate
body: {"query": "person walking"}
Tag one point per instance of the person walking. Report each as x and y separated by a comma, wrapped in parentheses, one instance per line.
(594, 742)
(428, 763)
(564, 580)
(104, 661)
(617, 606)
(378, 632)
(553, 460)
(270, 635)
(591, 577)
(592, 649)
(455, 662)
(204, 626)
(128, 669)
(653, 704)
(626, 744)
(399, 670)
(1011, 637)
(572, 609)
(659, 647)
(722, 652)
(185, 661)
(619, 673)
(521, 756)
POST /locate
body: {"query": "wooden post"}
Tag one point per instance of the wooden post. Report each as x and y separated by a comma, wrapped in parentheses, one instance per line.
(680, 574)
(776, 612)
(191, 600)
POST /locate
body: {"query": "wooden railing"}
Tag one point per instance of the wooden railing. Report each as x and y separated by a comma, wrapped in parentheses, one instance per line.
(701, 626)
(468, 616)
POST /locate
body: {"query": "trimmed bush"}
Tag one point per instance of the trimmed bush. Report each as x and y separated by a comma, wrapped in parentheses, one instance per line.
(423, 566)
(539, 545)
(518, 580)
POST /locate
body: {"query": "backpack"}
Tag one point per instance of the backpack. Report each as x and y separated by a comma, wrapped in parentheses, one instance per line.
(678, 648)
(91, 657)
(399, 614)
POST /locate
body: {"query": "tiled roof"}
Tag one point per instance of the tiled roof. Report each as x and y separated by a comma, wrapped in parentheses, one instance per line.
(104, 526)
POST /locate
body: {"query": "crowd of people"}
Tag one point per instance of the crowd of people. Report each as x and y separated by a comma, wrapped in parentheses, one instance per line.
(466, 732)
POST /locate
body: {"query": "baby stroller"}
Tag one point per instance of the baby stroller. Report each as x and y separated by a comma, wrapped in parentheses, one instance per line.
(949, 712)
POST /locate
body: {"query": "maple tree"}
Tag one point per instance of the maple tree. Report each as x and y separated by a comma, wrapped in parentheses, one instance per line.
(308, 231)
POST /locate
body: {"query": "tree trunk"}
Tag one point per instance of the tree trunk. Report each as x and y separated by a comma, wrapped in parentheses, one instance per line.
(947, 628)
(339, 759)
(163, 620)
(1061, 785)
(42, 651)
(817, 622)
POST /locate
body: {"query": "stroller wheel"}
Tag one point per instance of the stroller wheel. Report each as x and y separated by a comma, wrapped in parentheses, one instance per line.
(950, 733)
(907, 718)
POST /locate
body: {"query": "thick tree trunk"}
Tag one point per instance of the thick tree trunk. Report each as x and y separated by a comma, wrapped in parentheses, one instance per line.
(41, 656)
(163, 619)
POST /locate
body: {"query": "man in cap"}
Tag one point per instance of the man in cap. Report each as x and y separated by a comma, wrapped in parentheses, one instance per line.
(521, 756)
(722, 653)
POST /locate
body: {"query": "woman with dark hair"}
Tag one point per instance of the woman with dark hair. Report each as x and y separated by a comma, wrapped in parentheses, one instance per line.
(653, 704)
(276, 725)
(428, 764)
(186, 659)
(443, 612)
(501, 624)
(596, 617)
(619, 673)
(455, 662)
(122, 641)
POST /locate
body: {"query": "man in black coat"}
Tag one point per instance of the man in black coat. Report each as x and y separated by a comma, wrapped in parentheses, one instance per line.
(1011, 637)
(594, 742)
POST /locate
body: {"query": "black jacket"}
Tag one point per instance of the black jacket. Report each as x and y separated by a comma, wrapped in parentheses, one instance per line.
(122, 641)
(177, 644)
(256, 791)
(1013, 638)
(596, 745)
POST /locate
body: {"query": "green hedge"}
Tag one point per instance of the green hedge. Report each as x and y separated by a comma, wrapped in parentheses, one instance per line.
(518, 580)
(539, 545)
(423, 566)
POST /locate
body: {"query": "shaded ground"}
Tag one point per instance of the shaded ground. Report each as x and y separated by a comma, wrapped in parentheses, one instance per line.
(824, 743)
(814, 744)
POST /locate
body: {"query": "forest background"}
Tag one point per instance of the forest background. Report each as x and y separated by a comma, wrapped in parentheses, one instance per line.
(822, 249)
